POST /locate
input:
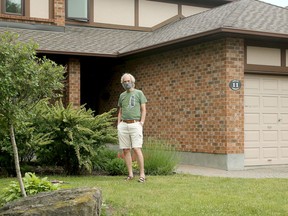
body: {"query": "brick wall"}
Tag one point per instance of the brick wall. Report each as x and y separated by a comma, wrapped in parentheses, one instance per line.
(59, 12)
(189, 99)
(73, 82)
(235, 99)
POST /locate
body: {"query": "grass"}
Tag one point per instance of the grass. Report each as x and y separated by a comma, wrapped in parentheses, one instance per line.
(182, 194)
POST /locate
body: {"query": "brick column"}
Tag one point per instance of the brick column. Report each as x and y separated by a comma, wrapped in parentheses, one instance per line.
(235, 99)
(59, 12)
(73, 82)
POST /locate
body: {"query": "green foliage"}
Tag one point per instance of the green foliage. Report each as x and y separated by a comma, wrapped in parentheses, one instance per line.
(32, 184)
(102, 157)
(160, 157)
(116, 167)
(75, 134)
(28, 141)
(185, 194)
(25, 78)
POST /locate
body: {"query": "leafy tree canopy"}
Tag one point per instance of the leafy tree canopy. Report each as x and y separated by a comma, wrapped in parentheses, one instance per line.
(25, 79)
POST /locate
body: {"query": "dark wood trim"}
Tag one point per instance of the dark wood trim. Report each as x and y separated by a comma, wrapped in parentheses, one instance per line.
(255, 33)
(198, 3)
(124, 27)
(283, 57)
(266, 69)
(51, 9)
(266, 44)
(170, 20)
(75, 53)
(266, 73)
(180, 12)
(105, 25)
(91, 11)
(136, 13)
(26, 8)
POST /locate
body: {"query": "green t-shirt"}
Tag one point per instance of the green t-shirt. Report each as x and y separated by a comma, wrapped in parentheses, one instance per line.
(130, 103)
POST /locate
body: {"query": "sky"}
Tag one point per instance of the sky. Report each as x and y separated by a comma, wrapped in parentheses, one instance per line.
(282, 3)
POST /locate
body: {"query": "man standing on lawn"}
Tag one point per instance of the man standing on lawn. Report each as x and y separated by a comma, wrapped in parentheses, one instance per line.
(131, 118)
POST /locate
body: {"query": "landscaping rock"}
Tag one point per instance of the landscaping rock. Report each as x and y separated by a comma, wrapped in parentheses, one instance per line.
(79, 201)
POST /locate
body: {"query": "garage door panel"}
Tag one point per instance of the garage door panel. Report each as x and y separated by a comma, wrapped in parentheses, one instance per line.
(269, 153)
(283, 118)
(266, 120)
(252, 153)
(284, 153)
(252, 118)
(252, 102)
(270, 86)
(284, 102)
(270, 102)
(270, 118)
(269, 136)
(252, 136)
(284, 86)
(252, 85)
(284, 136)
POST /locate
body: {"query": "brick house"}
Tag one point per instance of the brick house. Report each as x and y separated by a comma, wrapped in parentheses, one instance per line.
(215, 72)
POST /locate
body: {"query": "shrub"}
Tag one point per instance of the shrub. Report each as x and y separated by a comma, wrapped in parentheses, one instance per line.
(160, 157)
(101, 159)
(28, 140)
(116, 167)
(32, 184)
(75, 135)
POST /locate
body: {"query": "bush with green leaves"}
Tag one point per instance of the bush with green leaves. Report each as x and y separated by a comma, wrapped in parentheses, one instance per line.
(25, 80)
(101, 159)
(160, 157)
(28, 143)
(32, 184)
(75, 135)
(108, 161)
(116, 166)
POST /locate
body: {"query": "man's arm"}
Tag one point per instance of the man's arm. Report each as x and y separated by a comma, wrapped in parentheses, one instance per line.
(119, 115)
(143, 113)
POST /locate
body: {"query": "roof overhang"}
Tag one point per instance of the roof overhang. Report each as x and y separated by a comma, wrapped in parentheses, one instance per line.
(212, 35)
(182, 42)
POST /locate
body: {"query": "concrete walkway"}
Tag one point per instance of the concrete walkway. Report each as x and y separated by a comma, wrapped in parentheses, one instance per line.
(250, 172)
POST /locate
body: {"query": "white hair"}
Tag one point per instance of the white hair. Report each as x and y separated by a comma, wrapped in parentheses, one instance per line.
(131, 77)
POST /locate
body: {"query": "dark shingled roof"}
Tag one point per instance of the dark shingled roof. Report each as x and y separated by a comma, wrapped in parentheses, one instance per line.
(249, 16)
(80, 39)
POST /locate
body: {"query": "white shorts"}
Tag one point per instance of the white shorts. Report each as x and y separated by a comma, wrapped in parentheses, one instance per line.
(130, 135)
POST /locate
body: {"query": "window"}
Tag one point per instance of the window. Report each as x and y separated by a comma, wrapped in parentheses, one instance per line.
(14, 7)
(77, 10)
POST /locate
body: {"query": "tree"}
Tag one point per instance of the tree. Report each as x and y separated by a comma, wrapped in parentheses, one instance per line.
(25, 79)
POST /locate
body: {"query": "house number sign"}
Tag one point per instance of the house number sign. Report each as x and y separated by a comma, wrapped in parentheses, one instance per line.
(235, 85)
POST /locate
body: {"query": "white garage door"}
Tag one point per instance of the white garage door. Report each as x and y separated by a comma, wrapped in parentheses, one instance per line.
(266, 120)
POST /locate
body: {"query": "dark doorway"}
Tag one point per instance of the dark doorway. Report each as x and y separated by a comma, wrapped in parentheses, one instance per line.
(96, 73)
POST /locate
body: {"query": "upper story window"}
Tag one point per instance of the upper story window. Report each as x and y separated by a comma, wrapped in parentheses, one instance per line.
(77, 10)
(15, 7)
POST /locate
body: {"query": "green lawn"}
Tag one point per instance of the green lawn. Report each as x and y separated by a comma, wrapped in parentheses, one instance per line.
(182, 194)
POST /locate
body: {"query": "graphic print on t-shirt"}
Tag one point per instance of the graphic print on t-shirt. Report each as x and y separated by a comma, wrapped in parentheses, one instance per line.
(132, 101)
